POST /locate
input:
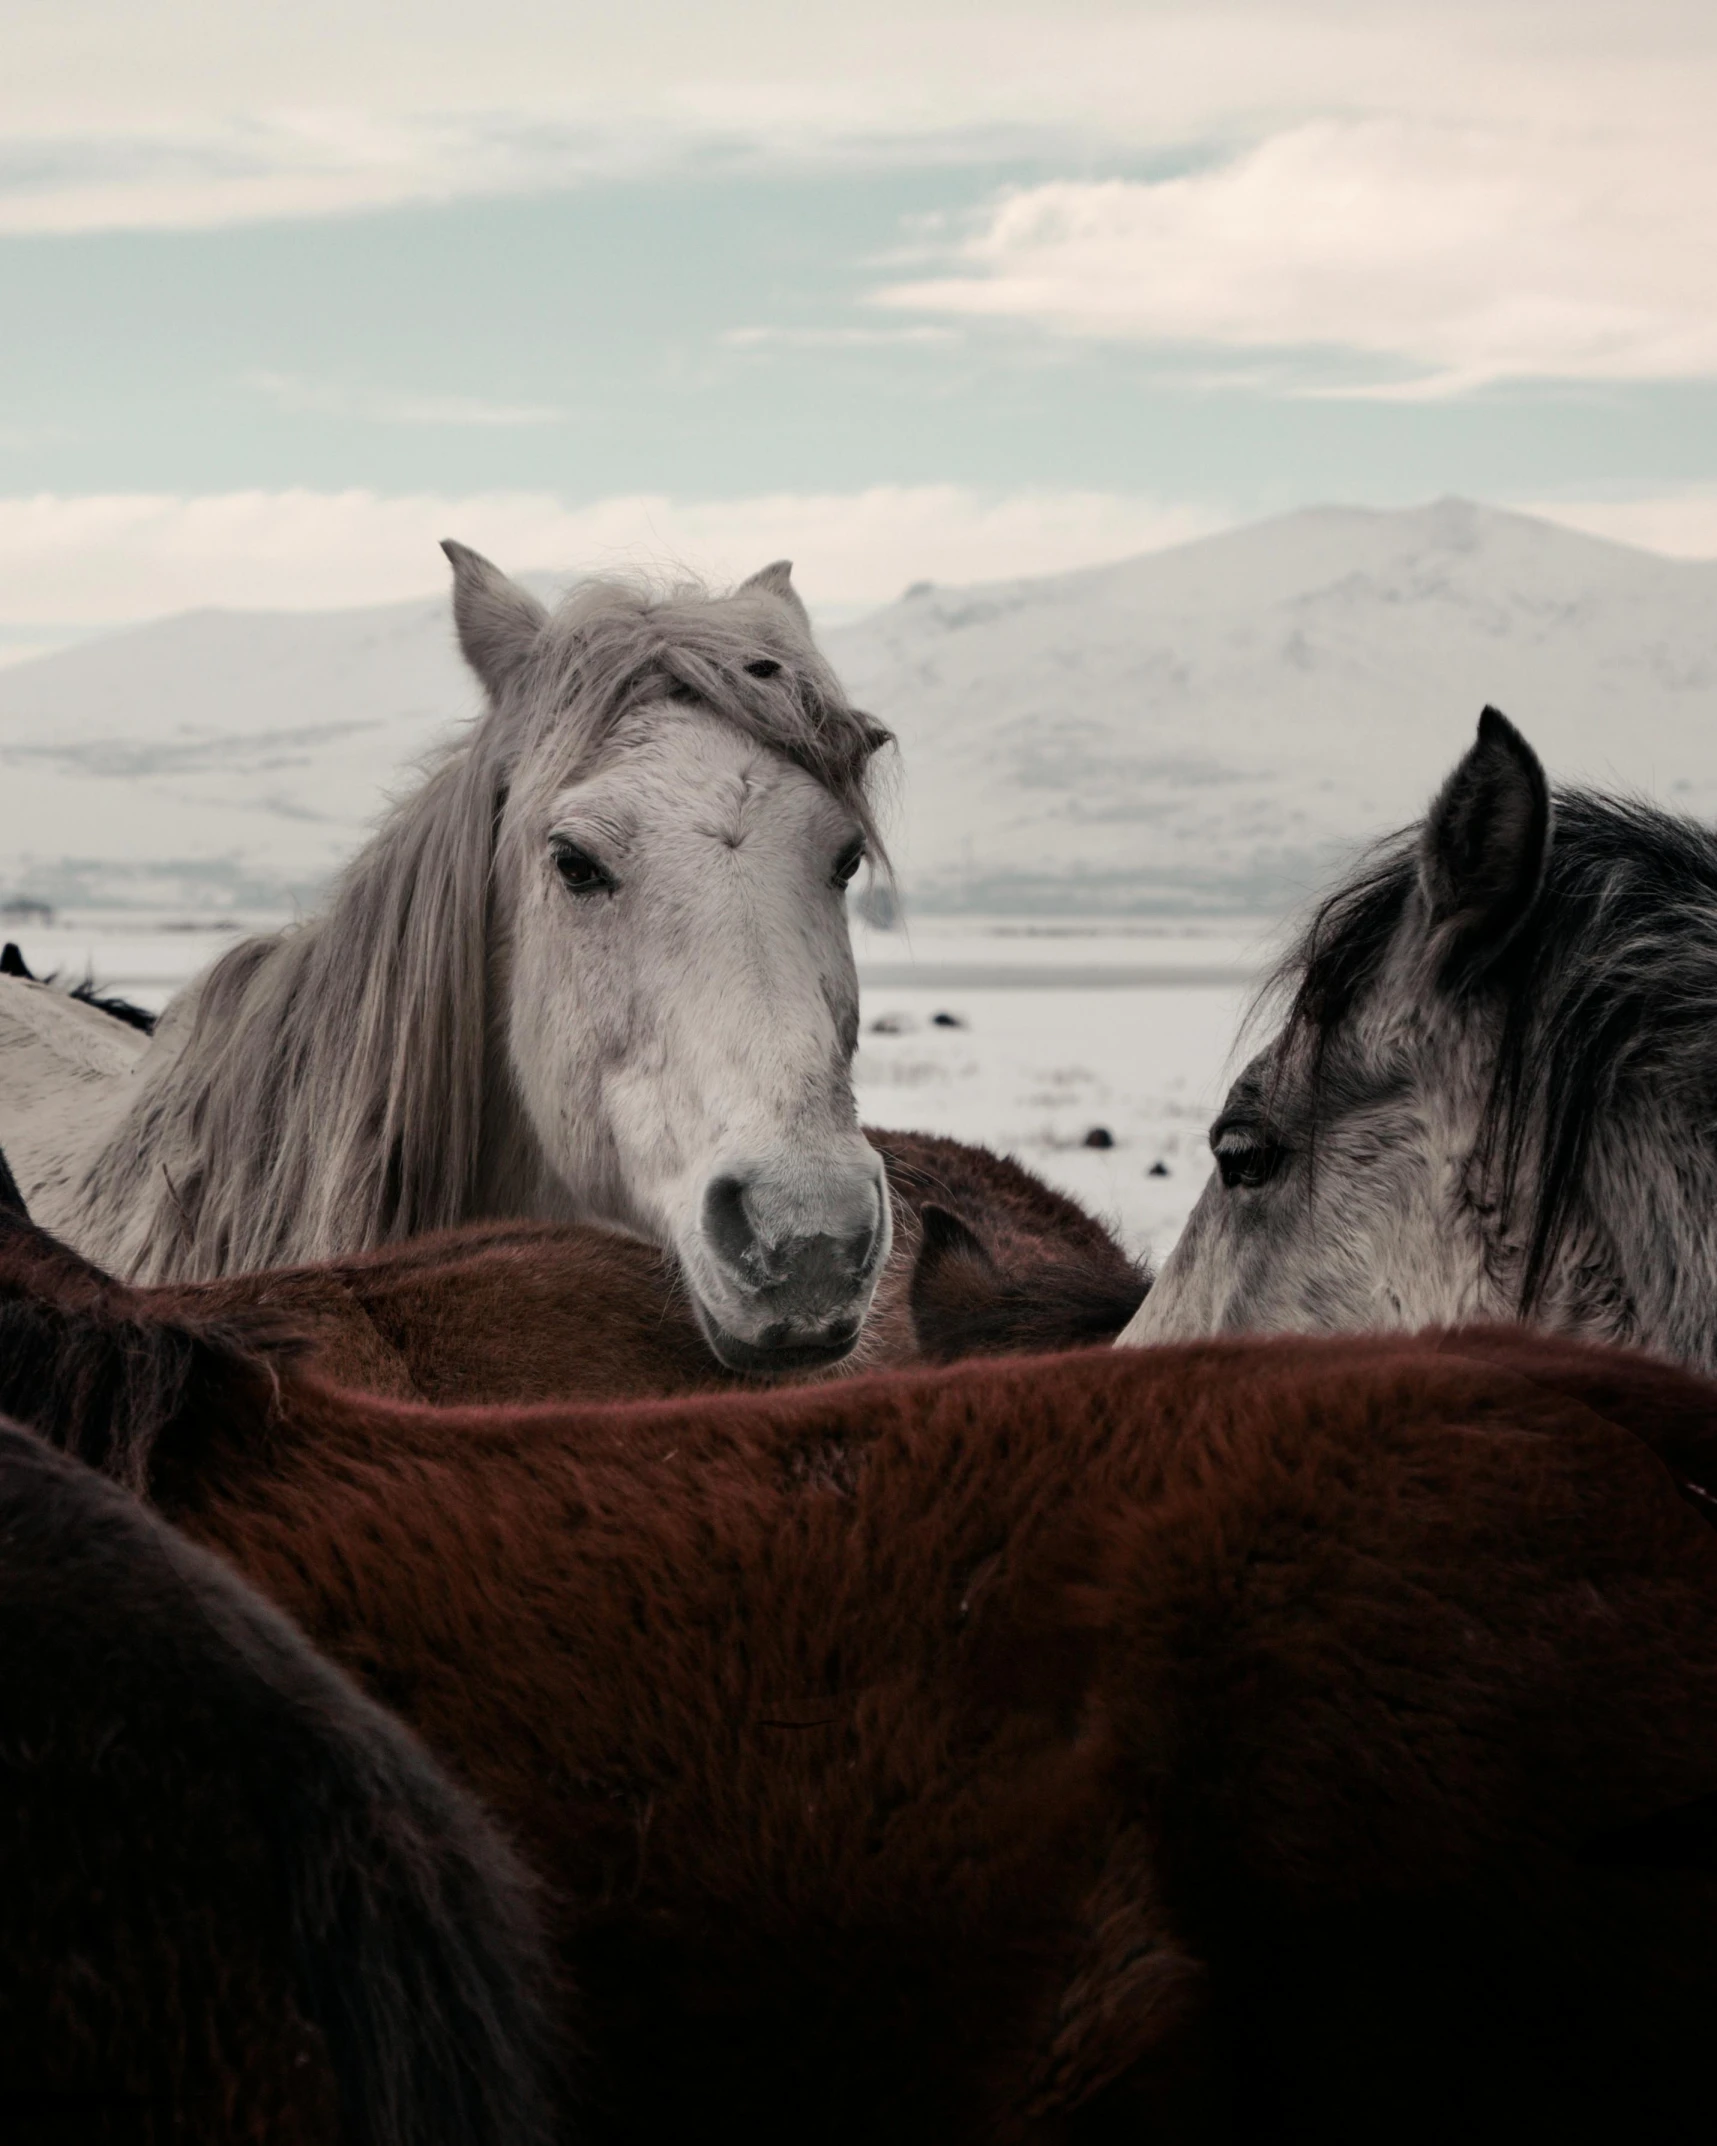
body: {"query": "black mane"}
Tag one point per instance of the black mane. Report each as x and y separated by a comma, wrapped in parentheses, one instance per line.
(1610, 981)
(120, 1009)
(12, 963)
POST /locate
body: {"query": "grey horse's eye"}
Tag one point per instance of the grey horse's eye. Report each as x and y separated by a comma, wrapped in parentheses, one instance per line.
(1245, 1157)
(579, 870)
(848, 862)
(764, 667)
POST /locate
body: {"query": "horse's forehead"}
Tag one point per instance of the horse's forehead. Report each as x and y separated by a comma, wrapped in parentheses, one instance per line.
(683, 761)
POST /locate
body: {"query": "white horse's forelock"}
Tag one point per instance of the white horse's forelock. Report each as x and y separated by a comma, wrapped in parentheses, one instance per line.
(615, 645)
(327, 1089)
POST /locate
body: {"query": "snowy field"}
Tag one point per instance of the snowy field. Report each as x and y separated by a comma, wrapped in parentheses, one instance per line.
(1062, 1030)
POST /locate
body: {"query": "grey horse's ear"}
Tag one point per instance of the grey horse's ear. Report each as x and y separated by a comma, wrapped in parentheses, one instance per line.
(498, 621)
(1482, 855)
(777, 579)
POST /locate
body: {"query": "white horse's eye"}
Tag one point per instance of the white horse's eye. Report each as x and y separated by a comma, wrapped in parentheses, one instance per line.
(1246, 1159)
(847, 864)
(579, 870)
(764, 667)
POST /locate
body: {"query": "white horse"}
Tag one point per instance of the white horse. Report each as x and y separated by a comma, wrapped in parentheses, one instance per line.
(595, 967)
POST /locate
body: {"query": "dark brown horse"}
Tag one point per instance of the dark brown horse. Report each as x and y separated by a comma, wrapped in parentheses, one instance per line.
(239, 1904)
(1274, 1740)
(987, 1259)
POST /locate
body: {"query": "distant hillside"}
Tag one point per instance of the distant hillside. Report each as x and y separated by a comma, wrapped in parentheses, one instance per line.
(1207, 727)
(1198, 729)
(220, 759)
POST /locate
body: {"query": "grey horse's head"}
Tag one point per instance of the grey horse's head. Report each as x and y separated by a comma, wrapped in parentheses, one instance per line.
(1494, 1094)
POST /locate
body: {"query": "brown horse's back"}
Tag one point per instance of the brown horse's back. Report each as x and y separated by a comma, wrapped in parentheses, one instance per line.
(1660, 1402)
(1439, 1633)
(1255, 1740)
(506, 1312)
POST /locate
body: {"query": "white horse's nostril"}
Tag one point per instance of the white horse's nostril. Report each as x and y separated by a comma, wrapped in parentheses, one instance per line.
(731, 1232)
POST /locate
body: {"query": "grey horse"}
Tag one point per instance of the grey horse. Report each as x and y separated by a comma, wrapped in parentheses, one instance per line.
(1494, 1091)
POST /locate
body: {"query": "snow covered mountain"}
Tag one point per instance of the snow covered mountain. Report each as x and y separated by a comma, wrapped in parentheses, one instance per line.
(1201, 729)
(220, 760)
(1210, 727)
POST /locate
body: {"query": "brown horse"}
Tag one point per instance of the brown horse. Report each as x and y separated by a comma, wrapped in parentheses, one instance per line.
(238, 1902)
(1001, 1264)
(1273, 1740)
(987, 1259)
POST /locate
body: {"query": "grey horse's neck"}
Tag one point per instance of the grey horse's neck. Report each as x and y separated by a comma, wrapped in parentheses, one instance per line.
(1638, 1262)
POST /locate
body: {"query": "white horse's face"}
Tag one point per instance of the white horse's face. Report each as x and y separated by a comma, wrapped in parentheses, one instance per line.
(682, 1010)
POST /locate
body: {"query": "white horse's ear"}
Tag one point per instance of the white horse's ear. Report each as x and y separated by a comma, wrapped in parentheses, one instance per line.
(777, 579)
(498, 621)
(1482, 855)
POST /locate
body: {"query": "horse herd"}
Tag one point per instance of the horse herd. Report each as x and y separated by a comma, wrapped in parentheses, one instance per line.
(553, 1589)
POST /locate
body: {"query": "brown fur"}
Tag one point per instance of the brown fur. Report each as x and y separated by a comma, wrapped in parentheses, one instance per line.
(519, 1311)
(1004, 1265)
(1236, 1740)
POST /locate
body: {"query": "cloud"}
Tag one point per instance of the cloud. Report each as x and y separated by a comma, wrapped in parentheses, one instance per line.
(211, 171)
(19, 438)
(179, 114)
(128, 556)
(71, 565)
(1451, 255)
(1681, 525)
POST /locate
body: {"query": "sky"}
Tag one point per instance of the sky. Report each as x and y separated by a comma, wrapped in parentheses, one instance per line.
(905, 291)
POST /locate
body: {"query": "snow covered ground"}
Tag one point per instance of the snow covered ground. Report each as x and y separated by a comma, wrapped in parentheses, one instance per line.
(1032, 1072)
(1062, 1029)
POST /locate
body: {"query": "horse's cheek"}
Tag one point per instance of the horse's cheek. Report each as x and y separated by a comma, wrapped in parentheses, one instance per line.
(560, 1033)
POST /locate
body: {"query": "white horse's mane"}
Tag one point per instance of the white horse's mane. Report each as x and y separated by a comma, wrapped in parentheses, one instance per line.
(327, 1092)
